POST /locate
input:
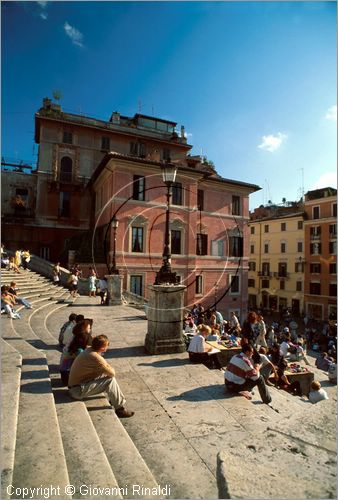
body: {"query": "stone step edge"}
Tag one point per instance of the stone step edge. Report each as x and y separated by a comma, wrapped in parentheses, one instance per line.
(11, 363)
(128, 465)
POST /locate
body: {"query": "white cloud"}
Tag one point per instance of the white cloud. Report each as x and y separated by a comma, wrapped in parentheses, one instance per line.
(42, 4)
(329, 179)
(74, 34)
(331, 113)
(43, 16)
(272, 142)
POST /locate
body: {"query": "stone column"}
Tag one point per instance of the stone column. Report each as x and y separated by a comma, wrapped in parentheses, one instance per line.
(165, 319)
(114, 282)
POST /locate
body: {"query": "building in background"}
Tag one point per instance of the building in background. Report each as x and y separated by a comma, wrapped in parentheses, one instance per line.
(320, 294)
(276, 258)
(89, 169)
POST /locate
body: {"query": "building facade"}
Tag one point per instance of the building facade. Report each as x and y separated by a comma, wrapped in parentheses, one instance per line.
(89, 169)
(276, 259)
(320, 294)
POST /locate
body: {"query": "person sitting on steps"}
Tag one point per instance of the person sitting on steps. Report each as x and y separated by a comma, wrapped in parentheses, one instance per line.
(199, 350)
(90, 375)
(241, 375)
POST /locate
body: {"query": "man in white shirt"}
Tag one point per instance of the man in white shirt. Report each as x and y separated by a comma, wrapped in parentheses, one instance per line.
(199, 350)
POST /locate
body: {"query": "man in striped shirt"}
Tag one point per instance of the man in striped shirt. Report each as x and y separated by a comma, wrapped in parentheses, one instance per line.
(241, 375)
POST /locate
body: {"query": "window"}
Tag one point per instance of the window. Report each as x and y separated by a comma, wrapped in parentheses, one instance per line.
(21, 200)
(333, 268)
(315, 213)
(105, 143)
(315, 232)
(175, 241)
(283, 247)
(282, 269)
(299, 246)
(166, 154)
(234, 287)
(198, 285)
(202, 244)
(217, 248)
(315, 268)
(314, 288)
(138, 187)
(235, 246)
(67, 137)
(333, 289)
(45, 253)
(299, 286)
(252, 266)
(64, 204)
(138, 149)
(251, 283)
(265, 283)
(177, 193)
(333, 230)
(299, 267)
(136, 284)
(300, 224)
(252, 248)
(266, 247)
(266, 228)
(283, 226)
(236, 205)
(66, 169)
(137, 239)
(333, 247)
(252, 229)
(315, 248)
(282, 285)
(334, 210)
(200, 199)
(266, 269)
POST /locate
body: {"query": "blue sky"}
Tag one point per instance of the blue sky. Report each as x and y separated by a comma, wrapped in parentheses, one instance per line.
(254, 83)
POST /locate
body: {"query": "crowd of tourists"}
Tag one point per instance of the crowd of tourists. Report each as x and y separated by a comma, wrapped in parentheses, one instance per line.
(265, 352)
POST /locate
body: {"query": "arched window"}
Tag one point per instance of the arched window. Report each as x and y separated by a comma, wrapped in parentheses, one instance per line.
(66, 169)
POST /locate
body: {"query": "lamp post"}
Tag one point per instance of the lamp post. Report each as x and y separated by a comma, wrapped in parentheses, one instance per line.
(115, 225)
(165, 274)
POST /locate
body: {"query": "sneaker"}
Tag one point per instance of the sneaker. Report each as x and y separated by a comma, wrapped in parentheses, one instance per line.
(245, 394)
(123, 413)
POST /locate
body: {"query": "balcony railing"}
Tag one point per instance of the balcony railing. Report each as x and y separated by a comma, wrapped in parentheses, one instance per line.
(315, 237)
(281, 275)
(265, 274)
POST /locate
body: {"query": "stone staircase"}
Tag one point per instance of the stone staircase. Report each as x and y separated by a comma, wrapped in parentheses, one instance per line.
(167, 450)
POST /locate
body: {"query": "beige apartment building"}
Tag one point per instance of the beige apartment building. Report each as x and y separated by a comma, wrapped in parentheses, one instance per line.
(320, 228)
(276, 258)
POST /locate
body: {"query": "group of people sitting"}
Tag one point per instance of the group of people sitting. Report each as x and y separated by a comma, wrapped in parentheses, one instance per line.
(82, 367)
(10, 299)
(256, 363)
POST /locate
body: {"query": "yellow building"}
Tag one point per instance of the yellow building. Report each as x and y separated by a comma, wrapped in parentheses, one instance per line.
(276, 259)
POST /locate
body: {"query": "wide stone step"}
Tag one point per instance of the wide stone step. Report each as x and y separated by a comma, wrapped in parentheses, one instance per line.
(86, 460)
(39, 455)
(10, 380)
(129, 468)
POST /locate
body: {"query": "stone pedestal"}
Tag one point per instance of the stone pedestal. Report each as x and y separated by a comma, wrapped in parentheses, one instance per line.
(165, 319)
(114, 282)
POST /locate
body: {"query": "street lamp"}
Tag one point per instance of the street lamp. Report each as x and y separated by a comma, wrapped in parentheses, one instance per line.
(115, 225)
(165, 274)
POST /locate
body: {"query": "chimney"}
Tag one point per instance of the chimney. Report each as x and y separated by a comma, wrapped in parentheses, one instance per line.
(182, 132)
(115, 118)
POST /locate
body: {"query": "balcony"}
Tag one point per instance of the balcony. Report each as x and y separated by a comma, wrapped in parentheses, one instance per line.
(17, 214)
(264, 274)
(315, 237)
(65, 183)
(281, 275)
